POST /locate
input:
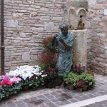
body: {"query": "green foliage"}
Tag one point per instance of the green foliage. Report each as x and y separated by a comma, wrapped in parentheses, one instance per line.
(8, 91)
(79, 81)
(32, 83)
(2, 96)
(36, 83)
(71, 78)
(43, 66)
(53, 80)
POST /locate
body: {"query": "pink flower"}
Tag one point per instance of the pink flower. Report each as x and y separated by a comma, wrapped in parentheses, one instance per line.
(15, 79)
(0, 84)
(6, 81)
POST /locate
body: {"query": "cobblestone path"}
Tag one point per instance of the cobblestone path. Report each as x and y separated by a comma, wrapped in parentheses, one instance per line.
(59, 97)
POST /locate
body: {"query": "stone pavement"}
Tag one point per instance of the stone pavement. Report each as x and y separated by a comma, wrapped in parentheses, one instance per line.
(59, 97)
(98, 104)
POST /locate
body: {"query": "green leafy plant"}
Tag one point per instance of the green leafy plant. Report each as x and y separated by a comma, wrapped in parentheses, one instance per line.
(32, 83)
(53, 80)
(7, 91)
(83, 81)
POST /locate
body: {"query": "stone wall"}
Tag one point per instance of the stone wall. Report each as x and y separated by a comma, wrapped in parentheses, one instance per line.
(97, 36)
(26, 23)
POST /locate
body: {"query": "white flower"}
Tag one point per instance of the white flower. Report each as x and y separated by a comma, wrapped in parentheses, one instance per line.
(44, 75)
(26, 71)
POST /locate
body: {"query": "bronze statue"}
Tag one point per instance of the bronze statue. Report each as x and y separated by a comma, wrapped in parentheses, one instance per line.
(63, 41)
(80, 23)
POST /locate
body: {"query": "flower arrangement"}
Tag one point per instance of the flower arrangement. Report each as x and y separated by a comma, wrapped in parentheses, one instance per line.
(9, 81)
(26, 71)
(24, 77)
(32, 77)
(9, 86)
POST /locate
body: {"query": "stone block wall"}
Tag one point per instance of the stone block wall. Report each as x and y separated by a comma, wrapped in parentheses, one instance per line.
(26, 23)
(97, 36)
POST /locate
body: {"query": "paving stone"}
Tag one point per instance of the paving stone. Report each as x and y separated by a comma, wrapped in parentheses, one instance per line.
(11, 104)
(21, 104)
(73, 100)
(3, 105)
(57, 93)
(43, 106)
(51, 104)
(49, 96)
(80, 98)
(33, 102)
(53, 100)
(45, 99)
(65, 96)
(89, 106)
(60, 103)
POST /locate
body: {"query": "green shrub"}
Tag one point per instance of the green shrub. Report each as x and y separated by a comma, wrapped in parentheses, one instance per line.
(84, 81)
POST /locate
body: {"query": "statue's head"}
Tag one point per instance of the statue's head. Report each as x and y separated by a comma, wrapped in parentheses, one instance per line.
(64, 29)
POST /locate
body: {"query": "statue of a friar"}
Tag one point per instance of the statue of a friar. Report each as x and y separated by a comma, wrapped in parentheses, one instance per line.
(63, 42)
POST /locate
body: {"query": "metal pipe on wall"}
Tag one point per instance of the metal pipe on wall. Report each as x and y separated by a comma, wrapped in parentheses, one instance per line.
(2, 37)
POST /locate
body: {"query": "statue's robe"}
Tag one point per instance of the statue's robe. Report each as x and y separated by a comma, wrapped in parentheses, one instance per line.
(64, 61)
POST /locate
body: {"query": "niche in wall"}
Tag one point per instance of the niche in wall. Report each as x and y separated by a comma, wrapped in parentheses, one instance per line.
(75, 14)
